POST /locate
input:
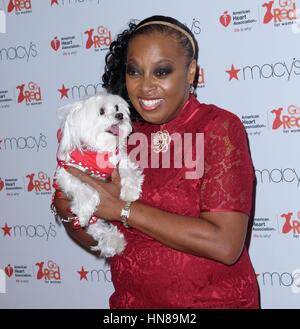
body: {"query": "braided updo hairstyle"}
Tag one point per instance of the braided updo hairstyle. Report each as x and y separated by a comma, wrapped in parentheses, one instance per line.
(114, 77)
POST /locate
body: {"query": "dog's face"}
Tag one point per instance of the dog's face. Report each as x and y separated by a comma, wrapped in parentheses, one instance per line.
(97, 123)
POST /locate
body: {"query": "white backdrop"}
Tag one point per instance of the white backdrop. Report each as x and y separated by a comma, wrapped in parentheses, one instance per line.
(53, 53)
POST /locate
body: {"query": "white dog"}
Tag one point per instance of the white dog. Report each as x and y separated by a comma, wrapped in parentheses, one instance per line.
(94, 133)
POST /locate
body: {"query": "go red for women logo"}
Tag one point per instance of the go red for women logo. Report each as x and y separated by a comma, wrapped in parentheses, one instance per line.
(291, 225)
(30, 94)
(49, 272)
(19, 6)
(99, 39)
(287, 120)
(41, 183)
(284, 11)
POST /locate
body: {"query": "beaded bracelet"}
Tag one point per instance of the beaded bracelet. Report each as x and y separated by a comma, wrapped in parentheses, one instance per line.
(73, 219)
(61, 219)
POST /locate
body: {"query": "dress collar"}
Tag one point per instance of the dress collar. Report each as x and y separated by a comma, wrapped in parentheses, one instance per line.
(184, 115)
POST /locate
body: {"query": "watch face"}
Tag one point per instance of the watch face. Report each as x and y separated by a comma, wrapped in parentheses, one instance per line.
(125, 214)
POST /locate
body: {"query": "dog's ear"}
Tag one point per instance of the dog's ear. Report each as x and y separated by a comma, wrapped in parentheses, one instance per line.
(124, 106)
(69, 140)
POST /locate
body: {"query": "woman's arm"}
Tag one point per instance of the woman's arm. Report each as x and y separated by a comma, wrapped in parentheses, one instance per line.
(215, 235)
(80, 236)
(62, 204)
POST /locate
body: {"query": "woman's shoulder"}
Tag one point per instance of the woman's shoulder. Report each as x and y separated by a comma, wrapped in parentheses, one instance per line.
(217, 115)
(217, 111)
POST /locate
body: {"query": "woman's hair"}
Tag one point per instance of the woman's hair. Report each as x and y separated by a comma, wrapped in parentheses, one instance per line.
(115, 61)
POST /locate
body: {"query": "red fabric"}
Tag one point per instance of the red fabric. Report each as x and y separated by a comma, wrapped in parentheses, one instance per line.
(151, 275)
(93, 161)
(97, 162)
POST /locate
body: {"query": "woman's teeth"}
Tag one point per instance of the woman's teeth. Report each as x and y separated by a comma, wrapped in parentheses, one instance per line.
(150, 103)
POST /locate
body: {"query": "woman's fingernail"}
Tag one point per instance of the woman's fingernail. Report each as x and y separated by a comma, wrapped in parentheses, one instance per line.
(66, 167)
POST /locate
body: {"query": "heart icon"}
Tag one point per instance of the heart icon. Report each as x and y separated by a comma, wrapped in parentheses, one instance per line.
(55, 44)
(1, 184)
(9, 270)
(225, 19)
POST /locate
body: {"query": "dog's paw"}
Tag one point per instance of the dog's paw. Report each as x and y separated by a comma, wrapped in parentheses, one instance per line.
(110, 245)
(83, 221)
(130, 194)
(85, 213)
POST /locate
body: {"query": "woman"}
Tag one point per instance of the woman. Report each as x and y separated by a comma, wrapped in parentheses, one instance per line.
(186, 236)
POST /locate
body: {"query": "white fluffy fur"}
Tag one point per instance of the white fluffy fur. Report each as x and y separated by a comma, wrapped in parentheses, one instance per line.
(82, 124)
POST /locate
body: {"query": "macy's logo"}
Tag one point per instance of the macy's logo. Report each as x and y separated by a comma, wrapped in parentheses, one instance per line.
(281, 279)
(285, 12)
(18, 52)
(30, 231)
(265, 71)
(291, 225)
(79, 91)
(22, 142)
(32, 95)
(101, 39)
(94, 275)
(291, 120)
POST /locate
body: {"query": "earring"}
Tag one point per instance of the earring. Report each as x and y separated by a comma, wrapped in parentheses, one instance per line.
(191, 89)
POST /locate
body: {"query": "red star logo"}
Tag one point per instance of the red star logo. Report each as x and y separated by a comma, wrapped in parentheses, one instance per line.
(63, 91)
(233, 73)
(6, 229)
(83, 274)
(54, 2)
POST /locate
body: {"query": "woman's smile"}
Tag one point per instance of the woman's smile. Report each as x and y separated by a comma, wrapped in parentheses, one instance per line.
(150, 104)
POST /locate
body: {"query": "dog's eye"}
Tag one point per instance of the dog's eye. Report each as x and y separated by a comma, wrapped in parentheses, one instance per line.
(117, 108)
(101, 111)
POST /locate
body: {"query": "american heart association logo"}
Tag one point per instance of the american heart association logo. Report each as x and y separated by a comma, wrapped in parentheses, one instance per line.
(225, 19)
(55, 44)
(9, 270)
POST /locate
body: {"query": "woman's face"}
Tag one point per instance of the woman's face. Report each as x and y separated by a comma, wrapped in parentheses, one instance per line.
(157, 77)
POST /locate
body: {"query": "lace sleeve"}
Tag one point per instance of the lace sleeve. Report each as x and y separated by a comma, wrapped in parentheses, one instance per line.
(227, 184)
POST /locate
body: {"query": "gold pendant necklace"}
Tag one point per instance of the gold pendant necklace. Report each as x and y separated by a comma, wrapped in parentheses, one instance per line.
(161, 141)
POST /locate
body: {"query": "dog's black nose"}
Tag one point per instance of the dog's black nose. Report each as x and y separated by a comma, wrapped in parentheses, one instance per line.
(119, 116)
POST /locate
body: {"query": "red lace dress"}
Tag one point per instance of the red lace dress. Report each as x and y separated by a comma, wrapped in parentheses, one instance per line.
(151, 275)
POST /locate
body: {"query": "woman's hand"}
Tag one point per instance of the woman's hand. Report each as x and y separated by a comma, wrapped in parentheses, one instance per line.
(110, 204)
(62, 204)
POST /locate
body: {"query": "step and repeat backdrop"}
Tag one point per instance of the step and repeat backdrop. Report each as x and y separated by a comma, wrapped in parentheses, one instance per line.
(52, 53)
